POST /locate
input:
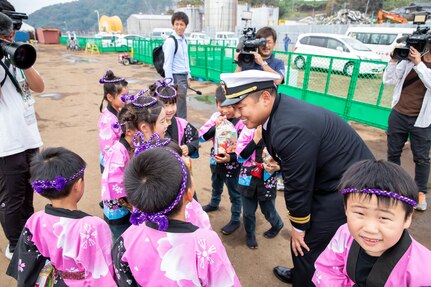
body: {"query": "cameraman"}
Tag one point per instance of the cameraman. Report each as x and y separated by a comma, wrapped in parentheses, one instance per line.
(411, 114)
(19, 137)
(264, 59)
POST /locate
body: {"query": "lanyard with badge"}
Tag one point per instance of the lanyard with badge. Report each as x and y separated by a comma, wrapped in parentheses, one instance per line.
(21, 87)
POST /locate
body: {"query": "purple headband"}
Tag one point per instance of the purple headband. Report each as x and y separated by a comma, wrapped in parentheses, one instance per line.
(138, 217)
(165, 83)
(58, 183)
(132, 98)
(104, 80)
(154, 141)
(380, 192)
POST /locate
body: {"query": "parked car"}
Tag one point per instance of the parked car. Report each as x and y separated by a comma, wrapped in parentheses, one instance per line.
(199, 38)
(226, 39)
(127, 40)
(334, 45)
(161, 33)
(381, 40)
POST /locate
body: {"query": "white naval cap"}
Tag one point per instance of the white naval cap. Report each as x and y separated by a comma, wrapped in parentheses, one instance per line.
(237, 86)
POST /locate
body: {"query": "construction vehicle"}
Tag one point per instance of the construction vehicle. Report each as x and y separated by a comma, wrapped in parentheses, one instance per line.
(382, 14)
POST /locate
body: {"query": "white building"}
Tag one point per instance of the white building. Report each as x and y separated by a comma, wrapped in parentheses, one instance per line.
(220, 15)
(142, 24)
(261, 16)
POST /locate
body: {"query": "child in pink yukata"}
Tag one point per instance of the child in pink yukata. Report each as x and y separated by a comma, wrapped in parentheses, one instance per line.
(161, 248)
(114, 89)
(225, 167)
(116, 209)
(179, 129)
(374, 247)
(76, 244)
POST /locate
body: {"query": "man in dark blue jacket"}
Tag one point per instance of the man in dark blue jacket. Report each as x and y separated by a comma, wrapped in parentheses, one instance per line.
(314, 147)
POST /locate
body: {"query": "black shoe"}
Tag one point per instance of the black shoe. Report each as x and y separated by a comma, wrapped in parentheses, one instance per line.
(273, 232)
(101, 204)
(251, 242)
(209, 208)
(230, 227)
(283, 274)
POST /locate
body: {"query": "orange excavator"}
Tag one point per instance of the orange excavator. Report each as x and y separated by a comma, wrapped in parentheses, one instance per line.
(382, 14)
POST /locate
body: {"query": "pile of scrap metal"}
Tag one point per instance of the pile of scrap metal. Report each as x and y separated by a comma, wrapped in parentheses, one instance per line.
(344, 16)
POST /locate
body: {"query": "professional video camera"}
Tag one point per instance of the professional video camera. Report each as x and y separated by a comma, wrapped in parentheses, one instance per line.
(22, 55)
(417, 40)
(248, 43)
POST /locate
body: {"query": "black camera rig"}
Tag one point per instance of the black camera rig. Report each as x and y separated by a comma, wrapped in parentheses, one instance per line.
(248, 43)
(417, 40)
(16, 17)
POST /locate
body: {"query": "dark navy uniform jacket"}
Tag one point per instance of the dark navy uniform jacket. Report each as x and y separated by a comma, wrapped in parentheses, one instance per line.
(314, 147)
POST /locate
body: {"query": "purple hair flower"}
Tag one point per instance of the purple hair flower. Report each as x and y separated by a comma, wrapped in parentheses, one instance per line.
(58, 183)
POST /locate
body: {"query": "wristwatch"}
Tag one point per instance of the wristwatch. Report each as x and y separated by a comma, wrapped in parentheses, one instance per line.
(264, 64)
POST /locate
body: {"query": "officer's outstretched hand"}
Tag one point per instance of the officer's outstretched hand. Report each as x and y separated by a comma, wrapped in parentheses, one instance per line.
(298, 242)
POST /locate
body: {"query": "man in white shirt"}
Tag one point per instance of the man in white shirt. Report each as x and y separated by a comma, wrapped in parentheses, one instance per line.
(176, 64)
(19, 136)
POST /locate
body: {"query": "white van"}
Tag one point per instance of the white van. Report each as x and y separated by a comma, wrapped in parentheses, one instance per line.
(199, 38)
(334, 45)
(381, 40)
(161, 33)
(226, 39)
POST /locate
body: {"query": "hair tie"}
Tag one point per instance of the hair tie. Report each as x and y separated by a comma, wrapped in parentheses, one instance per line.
(154, 141)
(58, 183)
(104, 79)
(118, 125)
(165, 83)
(380, 192)
(138, 217)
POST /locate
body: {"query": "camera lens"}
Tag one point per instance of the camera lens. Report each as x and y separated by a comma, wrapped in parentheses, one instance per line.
(246, 59)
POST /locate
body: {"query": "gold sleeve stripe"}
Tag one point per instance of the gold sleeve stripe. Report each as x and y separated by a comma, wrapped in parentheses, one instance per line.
(299, 220)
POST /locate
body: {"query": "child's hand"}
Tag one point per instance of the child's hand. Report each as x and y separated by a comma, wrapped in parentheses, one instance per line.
(257, 134)
(185, 149)
(220, 119)
(222, 158)
(272, 166)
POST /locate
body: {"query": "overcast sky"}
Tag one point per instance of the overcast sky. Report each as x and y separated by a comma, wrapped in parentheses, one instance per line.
(29, 6)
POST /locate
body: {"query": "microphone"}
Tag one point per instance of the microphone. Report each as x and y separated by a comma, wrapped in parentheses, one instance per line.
(196, 91)
(402, 39)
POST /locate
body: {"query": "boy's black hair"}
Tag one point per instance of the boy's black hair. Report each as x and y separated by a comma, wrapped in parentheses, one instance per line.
(135, 115)
(152, 180)
(165, 91)
(219, 95)
(265, 32)
(52, 162)
(180, 16)
(112, 88)
(380, 174)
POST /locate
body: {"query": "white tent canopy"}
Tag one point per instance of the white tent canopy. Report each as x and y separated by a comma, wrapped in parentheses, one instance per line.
(27, 28)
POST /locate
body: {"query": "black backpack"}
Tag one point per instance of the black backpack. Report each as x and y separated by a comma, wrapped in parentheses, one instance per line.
(159, 57)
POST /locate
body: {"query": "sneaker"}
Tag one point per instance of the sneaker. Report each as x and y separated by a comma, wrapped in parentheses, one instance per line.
(230, 227)
(422, 202)
(7, 253)
(101, 204)
(209, 208)
(251, 242)
(273, 232)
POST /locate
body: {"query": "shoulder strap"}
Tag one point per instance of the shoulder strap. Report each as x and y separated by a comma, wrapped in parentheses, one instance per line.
(8, 73)
(409, 82)
(176, 43)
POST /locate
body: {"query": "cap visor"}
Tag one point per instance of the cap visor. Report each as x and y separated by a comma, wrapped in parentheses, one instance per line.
(230, 102)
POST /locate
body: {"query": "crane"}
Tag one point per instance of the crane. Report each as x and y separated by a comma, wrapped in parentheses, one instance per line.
(382, 14)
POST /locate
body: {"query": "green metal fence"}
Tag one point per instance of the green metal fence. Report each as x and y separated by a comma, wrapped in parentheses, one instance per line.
(349, 87)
